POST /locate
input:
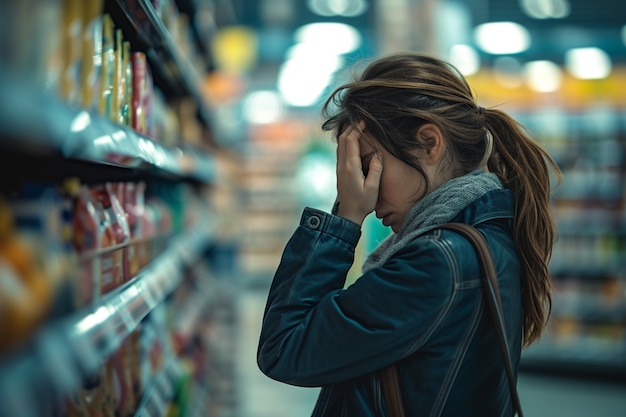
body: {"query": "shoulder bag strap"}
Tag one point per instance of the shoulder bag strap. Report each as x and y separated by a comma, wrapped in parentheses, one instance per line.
(389, 375)
(391, 390)
(492, 295)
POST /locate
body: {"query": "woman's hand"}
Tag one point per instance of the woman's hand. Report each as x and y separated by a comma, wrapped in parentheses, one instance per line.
(357, 194)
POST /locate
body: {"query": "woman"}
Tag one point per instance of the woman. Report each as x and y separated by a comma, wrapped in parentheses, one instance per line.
(415, 148)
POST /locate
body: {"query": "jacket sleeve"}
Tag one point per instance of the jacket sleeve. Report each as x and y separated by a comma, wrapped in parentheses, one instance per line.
(315, 332)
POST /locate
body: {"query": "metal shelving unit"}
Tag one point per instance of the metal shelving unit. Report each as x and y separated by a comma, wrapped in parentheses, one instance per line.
(37, 129)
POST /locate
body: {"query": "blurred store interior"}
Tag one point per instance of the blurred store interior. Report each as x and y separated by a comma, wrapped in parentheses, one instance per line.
(156, 157)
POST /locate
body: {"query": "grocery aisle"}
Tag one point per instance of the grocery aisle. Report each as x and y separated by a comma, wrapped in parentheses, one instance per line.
(541, 396)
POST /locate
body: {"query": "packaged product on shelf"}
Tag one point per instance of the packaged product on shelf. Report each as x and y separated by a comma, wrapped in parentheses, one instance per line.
(122, 80)
(142, 109)
(38, 213)
(120, 225)
(108, 68)
(131, 266)
(91, 66)
(118, 79)
(128, 374)
(119, 382)
(87, 239)
(134, 362)
(30, 40)
(72, 43)
(93, 400)
(181, 403)
(115, 236)
(26, 293)
(135, 225)
(144, 227)
(140, 91)
(100, 226)
(128, 85)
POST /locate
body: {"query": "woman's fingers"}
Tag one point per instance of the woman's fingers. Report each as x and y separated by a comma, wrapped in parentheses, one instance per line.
(375, 171)
(353, 152)
(348, 149)
(341, 146)
(356, 192)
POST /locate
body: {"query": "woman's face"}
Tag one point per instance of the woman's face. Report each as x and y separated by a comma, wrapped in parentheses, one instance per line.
(400, 184)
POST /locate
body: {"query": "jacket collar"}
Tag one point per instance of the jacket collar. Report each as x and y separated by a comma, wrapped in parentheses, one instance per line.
(495, 204)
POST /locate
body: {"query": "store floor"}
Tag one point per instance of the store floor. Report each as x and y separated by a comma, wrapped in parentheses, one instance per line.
(541, 396)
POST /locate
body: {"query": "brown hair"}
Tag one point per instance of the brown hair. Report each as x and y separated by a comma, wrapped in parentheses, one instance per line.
(398, 93)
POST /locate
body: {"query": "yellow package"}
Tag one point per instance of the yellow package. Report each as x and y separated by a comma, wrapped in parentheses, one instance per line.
(108, 67)
(91, 54)
(72, 47)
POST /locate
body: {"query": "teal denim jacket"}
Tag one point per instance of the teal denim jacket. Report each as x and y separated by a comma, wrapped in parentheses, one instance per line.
(423, 309)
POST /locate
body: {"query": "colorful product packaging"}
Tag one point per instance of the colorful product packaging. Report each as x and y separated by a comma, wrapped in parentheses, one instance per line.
(72, 41)
(91, 66)
(87, 240)
(25, 291)
(126, 112)
(108, 67)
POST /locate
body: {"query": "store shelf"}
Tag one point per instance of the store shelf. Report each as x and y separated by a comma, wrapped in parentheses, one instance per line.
(161, 392)
(587, 330)
(69, 351)
(75, 358)
(178, 75)
(39, 124)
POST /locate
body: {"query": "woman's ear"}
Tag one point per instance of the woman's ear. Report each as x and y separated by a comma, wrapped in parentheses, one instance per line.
(430, 136)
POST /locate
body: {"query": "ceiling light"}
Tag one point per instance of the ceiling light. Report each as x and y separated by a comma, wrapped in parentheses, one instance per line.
(543, 76)
(546, 9)
(501, 38)
(345, 8)
(314, 56)
(302, 84)
(262, 107)
(338, 38)
(588, 63)
(465, 59)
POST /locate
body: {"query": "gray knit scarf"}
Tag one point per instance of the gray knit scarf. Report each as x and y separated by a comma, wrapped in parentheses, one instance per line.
(435, 209)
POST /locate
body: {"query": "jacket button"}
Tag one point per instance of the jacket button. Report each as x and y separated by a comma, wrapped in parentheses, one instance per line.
(313, 222)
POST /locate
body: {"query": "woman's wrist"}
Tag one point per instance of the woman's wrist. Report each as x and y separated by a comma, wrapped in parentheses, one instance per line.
(349, 216)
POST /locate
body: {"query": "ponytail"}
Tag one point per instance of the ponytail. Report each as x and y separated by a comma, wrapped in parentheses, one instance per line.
(524, 167)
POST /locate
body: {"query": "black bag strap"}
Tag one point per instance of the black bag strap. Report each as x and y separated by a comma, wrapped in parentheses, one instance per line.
(389, 376)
